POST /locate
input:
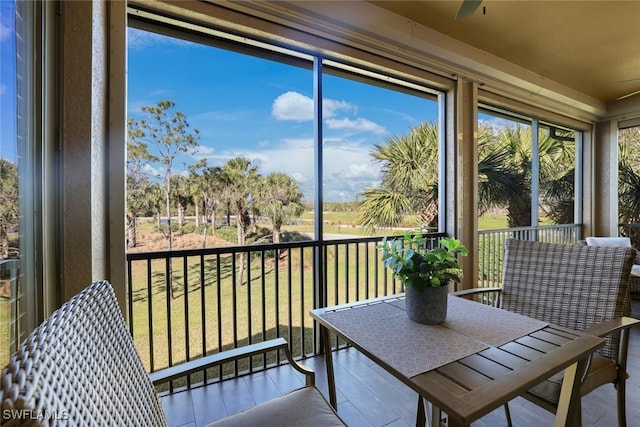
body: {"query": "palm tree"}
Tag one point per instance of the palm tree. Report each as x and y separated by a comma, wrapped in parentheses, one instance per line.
(206, 189)
(155, 199)
(559, 198)
(504, 170)
(280, 199)
(195, 186)
(557, 175)
(629, 193)
(409, 182)
(629, 146)
(182, 196)
(497, 176)
(629, 180)
(239, 178)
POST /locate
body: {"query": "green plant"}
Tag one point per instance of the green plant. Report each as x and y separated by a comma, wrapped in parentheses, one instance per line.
(414, 264)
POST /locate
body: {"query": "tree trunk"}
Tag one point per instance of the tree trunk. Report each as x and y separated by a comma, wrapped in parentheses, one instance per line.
(132, 240)
(429, 214)
(197, 214)
(213, 223)
(240, 277)
(169, 246)
(276, 233)
(181, 211)
(241, 227)
(204, 235)
(519, 214)
(168, 206)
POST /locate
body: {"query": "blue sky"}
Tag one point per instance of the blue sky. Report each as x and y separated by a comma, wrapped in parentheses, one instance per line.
(247, 106)
(7, 81)
(263, 110)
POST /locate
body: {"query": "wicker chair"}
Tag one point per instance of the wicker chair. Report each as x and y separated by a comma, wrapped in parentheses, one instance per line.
(80, 368)
(578, 287)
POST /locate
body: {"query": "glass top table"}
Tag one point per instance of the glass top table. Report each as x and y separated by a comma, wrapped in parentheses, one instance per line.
(478, 359)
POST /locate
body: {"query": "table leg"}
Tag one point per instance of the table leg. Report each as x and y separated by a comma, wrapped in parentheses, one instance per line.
(328, 358)
(436, 416)
(421, 418)
(569, 410)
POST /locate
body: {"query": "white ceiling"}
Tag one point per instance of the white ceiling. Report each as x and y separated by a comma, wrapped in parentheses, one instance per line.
(590, 46)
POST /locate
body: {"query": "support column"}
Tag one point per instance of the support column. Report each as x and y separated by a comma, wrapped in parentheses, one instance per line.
(84, 147)
(604, 180)
(462, 178)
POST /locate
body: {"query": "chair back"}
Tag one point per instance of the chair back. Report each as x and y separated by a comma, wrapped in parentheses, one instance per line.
(80, 367)
(574, 286)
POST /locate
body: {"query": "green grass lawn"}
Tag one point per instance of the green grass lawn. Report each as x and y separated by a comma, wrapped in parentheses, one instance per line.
(492, 222)
(5, 318)
(346, 223)
(278, 300)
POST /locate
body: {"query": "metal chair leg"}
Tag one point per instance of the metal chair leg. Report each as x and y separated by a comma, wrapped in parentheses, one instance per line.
(507, 412)
(622, 395)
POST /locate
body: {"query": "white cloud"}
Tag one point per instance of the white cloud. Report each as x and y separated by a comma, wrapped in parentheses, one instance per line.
(299, 178)
(362, 171)
(204, 151)
(153, 172)
(348, 170)
(497, 123)
(5, 31)
(297, 107)
(292, 106)
(348, 167)
(331, 107)
(358, 125)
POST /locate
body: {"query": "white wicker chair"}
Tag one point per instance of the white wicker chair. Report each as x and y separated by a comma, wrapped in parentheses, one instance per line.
(80, 368)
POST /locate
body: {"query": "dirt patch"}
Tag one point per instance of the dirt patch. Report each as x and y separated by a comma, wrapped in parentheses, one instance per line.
(150, 242)
(5, 288)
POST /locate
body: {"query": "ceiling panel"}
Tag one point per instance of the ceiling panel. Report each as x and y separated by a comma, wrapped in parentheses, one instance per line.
(590, 46)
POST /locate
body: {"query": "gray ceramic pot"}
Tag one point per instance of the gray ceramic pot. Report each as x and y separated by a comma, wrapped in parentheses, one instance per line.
(428, 307)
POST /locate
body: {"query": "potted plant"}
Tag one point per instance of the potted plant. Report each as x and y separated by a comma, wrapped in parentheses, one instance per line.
(425, 273)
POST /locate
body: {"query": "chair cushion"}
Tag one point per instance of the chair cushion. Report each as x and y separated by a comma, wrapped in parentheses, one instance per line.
(601, 371)
(305, 407)
(623, 242)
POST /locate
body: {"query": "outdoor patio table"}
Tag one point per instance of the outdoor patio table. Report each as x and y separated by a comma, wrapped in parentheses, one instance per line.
(478, 359)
